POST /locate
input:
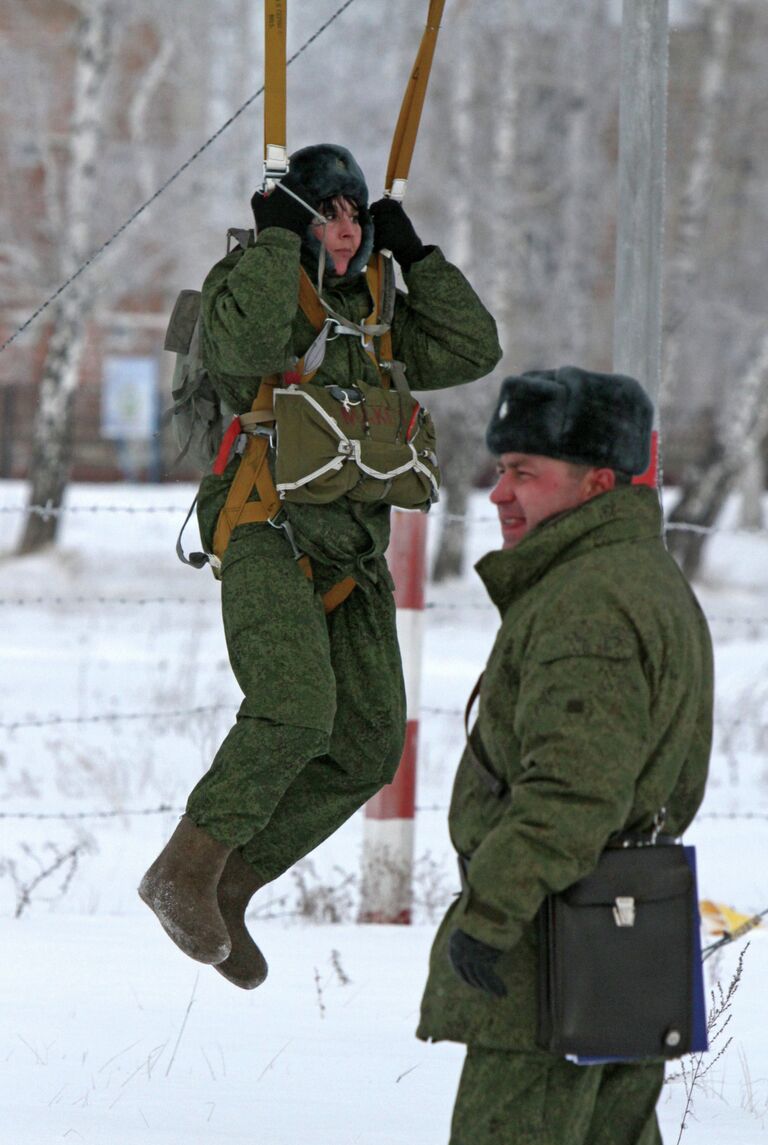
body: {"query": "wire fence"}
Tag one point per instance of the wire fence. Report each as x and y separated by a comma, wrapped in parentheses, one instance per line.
(753, 623)
(723, 723)
(169, 809)
(50, 510)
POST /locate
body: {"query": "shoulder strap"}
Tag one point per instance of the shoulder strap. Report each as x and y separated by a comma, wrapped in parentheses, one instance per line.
(476, 753)
(320, 314)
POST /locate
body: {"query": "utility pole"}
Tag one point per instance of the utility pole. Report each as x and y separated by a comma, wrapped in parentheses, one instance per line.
(640, 224)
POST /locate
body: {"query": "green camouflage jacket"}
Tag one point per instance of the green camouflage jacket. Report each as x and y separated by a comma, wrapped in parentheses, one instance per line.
(253, 326)
(596, 711)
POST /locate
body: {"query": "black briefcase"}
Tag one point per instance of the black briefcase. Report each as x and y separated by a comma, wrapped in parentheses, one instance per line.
(616, 958)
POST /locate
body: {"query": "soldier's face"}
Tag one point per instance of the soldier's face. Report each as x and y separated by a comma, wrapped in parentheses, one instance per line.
(531, 488)
(342, 233)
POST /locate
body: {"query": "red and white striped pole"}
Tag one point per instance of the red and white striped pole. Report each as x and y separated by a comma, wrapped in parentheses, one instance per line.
(389, 816)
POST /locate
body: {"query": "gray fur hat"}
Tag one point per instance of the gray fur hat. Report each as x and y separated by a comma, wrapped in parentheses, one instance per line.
(328, 170)
(574, 415)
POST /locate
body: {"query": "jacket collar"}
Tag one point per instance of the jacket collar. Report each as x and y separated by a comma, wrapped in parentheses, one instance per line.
(624, 514)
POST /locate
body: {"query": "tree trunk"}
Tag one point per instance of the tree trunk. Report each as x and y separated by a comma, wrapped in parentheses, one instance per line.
(53, 432)
(696, 195)
(707, 485)
(449, 559)
(752, 488)
(52, 437)
(453, 434)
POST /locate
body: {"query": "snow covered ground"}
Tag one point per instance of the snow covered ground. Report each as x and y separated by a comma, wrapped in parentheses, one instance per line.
(115, 692)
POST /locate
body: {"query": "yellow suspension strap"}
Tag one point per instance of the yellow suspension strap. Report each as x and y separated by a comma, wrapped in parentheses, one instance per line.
(408, 121)
(275, 150)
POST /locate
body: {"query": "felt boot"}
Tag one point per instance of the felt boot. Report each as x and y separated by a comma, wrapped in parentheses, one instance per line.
(246, 966)
(180, 887)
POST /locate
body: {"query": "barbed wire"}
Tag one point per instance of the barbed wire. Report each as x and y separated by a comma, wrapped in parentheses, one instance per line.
(721, 722)
(195, 601)
(167, 809)
(733, 815)
(49, 510)
(164, 186)
(114, 813)
(114, 717)
(64, 601)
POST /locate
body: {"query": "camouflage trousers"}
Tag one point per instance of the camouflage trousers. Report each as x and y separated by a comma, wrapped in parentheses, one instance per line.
(509, 1098)
(322, 723)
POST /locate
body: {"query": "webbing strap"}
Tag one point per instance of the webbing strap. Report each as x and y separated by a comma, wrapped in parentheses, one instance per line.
(309, 300)
(275, 150)
(497, 786)
(409, 118)
(252, 472)
(318, 313)
(338, 593)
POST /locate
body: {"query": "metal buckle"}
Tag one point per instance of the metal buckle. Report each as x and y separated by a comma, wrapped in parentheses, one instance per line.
(659, 820)
(275, 164)
(264, 431)
(624, 910)
(276, 523)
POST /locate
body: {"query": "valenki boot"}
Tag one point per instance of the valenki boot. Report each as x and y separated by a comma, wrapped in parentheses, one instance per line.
(246, 966)
(180, 887)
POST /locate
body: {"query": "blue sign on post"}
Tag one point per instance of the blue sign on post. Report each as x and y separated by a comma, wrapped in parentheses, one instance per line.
(129, 398)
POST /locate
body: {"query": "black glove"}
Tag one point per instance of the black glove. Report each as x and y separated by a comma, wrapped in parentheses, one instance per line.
(474, 961)
(277, 209)
(393, 230)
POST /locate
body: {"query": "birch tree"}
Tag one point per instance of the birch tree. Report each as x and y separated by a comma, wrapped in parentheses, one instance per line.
(458, 415)
(745, 428)
(52, 438)
(726, 343)
(683, 267)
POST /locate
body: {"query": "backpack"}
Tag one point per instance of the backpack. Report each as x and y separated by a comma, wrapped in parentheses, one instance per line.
(198, 416)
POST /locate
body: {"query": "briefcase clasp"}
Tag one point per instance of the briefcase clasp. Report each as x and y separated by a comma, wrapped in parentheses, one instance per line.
(624, 910)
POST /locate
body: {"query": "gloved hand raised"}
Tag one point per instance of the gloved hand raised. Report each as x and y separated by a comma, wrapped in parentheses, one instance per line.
(474, 963)
(393, 230)
(278, 209)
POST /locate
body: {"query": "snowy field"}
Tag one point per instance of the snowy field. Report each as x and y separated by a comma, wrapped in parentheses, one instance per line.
(115, 693)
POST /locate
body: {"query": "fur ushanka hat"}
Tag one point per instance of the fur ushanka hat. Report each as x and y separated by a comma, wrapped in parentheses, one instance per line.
(574, 415)
(328, 170)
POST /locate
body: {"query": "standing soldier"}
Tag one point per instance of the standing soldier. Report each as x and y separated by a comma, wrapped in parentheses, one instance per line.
(307, 599)
(595, 712)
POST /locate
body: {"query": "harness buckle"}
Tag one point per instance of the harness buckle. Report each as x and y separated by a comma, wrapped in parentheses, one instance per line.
(659, 820)
(265, 431)
(275, 164)
(285, 525)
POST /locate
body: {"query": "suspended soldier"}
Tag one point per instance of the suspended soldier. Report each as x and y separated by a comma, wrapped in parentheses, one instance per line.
(295, 332)
(595, 712)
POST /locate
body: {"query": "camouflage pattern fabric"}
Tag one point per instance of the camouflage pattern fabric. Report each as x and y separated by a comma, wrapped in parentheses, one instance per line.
(535, 1099)
(322, 724)
(596, 709)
